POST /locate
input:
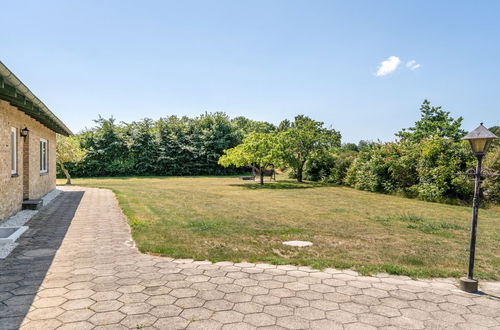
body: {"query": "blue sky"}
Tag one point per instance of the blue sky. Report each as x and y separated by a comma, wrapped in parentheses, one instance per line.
(267, 60)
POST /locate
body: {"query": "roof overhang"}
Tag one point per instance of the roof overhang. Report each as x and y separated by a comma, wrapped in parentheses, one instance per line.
(17, 94)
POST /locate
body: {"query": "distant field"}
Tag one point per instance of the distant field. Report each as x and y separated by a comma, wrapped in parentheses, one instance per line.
(223, 218)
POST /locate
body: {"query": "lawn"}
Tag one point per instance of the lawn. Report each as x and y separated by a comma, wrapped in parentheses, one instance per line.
(223, 218)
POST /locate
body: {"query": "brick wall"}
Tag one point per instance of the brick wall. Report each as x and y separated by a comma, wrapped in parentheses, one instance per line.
(36, 185)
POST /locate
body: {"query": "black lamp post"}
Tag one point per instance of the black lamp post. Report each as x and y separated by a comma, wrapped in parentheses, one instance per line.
(480, 140)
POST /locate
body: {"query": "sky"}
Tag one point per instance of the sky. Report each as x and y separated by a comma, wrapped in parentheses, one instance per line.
(361, 67)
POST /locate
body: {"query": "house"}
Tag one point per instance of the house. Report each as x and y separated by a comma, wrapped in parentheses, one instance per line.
(27, 145)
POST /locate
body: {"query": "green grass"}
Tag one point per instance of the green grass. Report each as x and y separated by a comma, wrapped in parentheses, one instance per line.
(223, 218)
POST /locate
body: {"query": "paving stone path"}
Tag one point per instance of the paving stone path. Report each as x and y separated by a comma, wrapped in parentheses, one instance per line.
(77, 268)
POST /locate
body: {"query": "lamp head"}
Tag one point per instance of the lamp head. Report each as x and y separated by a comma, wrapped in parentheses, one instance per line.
(480, 140)
(25, 132)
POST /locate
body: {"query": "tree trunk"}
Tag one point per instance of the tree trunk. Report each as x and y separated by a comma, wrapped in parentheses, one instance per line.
(261, 176)
(66, 172)
(300, 170)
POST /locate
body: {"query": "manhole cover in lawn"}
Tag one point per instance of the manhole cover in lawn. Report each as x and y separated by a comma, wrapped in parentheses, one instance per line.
(298, 243)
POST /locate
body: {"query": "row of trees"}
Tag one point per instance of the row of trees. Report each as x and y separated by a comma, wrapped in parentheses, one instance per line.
(194, 146)
(168, 146)
(423, 162)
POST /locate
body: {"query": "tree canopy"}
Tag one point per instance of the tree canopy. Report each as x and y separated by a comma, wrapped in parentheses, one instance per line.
(434, 122)
(301, 139)
(257, 150)
(68, 150)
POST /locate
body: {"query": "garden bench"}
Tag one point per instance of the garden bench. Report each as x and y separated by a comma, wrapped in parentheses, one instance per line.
(271, 173)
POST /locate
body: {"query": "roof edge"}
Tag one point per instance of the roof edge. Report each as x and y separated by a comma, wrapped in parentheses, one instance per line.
(18, 84)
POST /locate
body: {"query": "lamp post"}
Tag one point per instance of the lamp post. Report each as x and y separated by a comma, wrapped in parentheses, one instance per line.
(480, 140)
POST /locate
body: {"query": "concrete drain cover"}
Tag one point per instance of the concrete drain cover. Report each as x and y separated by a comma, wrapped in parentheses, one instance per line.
(9, 235)
(40, 253)
(298, 243)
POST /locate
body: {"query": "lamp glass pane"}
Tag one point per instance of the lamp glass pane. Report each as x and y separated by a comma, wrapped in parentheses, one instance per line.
(478, 145)
(488, 143)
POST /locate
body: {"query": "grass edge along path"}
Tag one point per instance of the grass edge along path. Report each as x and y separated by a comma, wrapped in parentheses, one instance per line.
(225, 219)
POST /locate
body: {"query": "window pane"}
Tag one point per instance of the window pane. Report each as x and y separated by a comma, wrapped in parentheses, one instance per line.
(13, 151)
(43, 156)
(41, 150)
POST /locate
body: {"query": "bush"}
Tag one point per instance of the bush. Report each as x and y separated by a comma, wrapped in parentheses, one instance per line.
(440, 162)
(491, 187)
(370, 170)
(427, 169)
(319, 166)
(329, 167)
(343, 162)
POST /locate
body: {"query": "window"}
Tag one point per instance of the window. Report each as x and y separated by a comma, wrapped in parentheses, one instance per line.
(43, 156)
(13, 150)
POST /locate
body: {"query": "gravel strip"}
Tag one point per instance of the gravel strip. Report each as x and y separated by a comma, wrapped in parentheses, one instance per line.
(20, 218)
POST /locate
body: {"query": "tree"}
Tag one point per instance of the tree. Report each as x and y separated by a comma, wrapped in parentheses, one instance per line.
(302, 139)
(176, 150)
(257, 150)
(434, 122)
(107, 149)
(495, 130)
(284, 125)
(143, 146)
(68, 150)
(367, 144)
(350, 147)
(245, 125)
(213, 133)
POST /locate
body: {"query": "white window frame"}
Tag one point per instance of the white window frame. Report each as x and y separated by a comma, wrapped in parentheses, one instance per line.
(44, 156)
(13, 150)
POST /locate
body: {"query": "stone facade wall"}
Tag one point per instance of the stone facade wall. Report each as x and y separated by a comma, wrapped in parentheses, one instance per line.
(13, 187)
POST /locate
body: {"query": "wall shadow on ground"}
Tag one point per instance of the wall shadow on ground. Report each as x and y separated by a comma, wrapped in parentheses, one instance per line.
(23, 271)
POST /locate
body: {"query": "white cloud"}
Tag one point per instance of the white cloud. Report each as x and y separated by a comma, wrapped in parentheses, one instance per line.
(388, 66)
(412, 65)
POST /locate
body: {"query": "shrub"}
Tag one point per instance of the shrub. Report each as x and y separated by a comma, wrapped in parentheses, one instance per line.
(319, 167)
(370, 170)
(427, 169)
(440, 162)
(491, 187)
(343, 162)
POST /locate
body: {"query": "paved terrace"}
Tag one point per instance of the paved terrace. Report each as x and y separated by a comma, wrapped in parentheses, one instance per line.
(77, 268)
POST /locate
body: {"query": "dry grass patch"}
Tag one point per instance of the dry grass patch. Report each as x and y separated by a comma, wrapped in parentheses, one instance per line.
(223, 218)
